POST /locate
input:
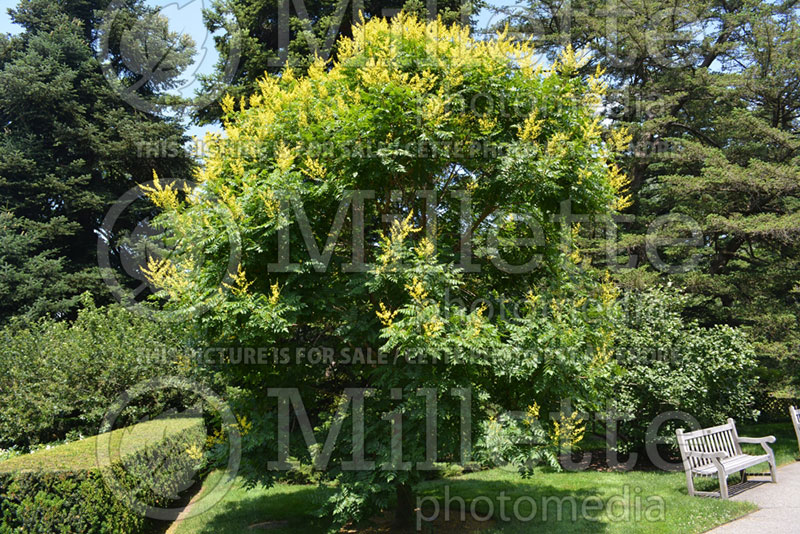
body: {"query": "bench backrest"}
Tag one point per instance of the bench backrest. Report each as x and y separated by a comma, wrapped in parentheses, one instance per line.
(715, 439)
(795, 413)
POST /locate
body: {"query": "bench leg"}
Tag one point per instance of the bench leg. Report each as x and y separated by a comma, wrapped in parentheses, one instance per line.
(744, 475)
(690, 483)
(723, 484)
(773, 471)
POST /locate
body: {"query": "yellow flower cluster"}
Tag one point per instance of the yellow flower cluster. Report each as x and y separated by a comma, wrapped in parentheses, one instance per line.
(272, 206)
(275, 294)
(184, 362)
(570, 62)
(417, 290)
(385, 315)
(313, 169)
(558, 145)
(609, 292)
(398, 233)
(163, 196)
(284, 157)
(195, 452)
(240, 284)
(163, 274)
(531, 127)
(425, 248)
(244, 425)
(575, 255)
(568, 430)
(597, 88)
(434, 110)
(432, 326)
(532, 414)
(217, 437)
(476, 322)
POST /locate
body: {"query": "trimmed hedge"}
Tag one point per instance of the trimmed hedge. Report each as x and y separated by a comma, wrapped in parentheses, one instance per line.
(774, 409)
(64, 490)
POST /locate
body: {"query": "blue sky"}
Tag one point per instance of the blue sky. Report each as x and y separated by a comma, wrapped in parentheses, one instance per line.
(5, 20)
(185, 16)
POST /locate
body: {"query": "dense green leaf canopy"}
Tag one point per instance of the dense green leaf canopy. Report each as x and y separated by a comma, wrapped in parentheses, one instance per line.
(368, 205)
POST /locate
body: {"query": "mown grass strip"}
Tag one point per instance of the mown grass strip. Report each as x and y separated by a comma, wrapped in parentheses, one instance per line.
(82, 455)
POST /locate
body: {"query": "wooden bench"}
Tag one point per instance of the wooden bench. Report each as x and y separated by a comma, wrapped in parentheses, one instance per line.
(795, 414)
(718, 450)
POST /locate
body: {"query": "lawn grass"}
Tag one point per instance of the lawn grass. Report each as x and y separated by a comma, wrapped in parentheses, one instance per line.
(641, 502)
(82, 455)
(580, 502)
(291, 506)
(628, 501)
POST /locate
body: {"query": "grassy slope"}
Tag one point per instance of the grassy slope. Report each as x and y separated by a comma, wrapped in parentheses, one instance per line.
(293, 507)
(82, 455)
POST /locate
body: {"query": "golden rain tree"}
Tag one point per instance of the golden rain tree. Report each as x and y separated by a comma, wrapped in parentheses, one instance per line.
(400, 211)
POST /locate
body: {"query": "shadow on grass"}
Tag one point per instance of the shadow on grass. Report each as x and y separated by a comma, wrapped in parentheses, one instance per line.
(497, 501)
(154, 526)
(282, 510)
(450, 506)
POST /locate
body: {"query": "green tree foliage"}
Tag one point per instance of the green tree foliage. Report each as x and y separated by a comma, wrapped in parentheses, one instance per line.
(403, 111)
(671, 364)
(266, 41)
(709, 90)
(58, 378)
(69, 147)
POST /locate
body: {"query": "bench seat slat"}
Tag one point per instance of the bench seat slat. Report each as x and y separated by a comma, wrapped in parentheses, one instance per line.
(732, 465)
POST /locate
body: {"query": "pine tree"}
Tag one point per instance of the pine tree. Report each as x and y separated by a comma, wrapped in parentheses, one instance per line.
(69, 147)
(710, 91)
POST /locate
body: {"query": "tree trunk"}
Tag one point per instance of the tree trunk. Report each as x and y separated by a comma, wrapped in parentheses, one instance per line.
(723, 256)
(404, 512)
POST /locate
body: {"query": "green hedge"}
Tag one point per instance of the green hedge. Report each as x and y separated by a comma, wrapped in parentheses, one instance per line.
(63, 490)
(774, 409)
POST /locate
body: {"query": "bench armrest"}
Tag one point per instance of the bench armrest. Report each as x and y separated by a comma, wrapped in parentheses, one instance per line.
(758, 441)
(708, 455)
(763, 442)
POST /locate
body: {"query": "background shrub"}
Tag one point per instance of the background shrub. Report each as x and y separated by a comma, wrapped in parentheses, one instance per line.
(670, 363)
(58, 378)
(522, 443)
